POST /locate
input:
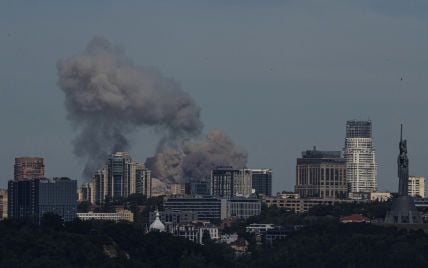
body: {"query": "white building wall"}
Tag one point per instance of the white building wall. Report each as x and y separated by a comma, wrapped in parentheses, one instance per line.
(361, 167)
(416, 186)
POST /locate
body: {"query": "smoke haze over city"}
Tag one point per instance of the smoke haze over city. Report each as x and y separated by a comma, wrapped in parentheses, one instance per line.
(276, 77)
(107, 98)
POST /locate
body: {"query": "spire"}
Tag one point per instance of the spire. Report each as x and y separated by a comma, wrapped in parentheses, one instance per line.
(401, 133)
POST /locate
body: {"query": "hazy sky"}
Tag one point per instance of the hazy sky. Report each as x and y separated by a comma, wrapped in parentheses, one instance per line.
(277, 76)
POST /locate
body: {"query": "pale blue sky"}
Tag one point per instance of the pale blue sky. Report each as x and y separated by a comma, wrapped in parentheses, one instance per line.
(277, 76)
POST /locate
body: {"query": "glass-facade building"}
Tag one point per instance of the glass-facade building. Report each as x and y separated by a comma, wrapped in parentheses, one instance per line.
(32, 199)
(205, 208)
(262, 181)
(119, 171)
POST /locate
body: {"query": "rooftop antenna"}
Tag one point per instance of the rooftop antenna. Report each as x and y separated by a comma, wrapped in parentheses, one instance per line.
(401, 132)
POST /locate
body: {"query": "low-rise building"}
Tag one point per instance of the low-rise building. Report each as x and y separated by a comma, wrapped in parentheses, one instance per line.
(205, 208)
(243, 208)
(354, 218)
(416, 186)
(228, 238)
(259, 227)
(195, 232)
(421, 203)
(174, 217)
(302, 205)
(121, 215)
(380, 196)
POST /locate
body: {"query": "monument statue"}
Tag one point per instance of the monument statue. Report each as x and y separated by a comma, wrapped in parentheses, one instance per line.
(403, 210)
(403, 167)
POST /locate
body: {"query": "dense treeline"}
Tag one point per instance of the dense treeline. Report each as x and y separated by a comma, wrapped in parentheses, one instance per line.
(107, 244)
(346, 245)
(324, 242)
(101, 244)
(317, 214)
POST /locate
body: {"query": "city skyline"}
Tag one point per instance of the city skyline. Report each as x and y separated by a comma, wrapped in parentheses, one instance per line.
(309, 68)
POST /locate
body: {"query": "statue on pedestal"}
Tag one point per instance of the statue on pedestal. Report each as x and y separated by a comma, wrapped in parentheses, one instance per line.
(403, 210)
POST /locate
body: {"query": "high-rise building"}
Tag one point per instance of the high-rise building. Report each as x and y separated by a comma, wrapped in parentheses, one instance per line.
(27, 168)
(321, 174)
(99, 187)
(359, 153)
(416, 186)
(227, 182)
(262, 181)
(120, 178)
(143, 180)
(119, 168)
(31, 199)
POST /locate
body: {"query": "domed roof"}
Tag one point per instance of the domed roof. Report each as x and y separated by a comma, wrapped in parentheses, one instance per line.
(157, 225)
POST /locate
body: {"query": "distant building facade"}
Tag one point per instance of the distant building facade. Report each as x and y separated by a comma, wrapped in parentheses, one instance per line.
(3, 204)
(262, 181)
(359, 153)
(27, 168)
(195, 232)
(321, 174)
(119, 178)
(227, 182)
(416, 186)
(380, 196)
(177, 188)
(121, 215)
(198, 188)
(302, 205)
(243, 208)
(31, 199)
(174, 217)
(205, 208)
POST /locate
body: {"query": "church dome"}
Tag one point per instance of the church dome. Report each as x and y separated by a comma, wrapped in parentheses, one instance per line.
(157, 225)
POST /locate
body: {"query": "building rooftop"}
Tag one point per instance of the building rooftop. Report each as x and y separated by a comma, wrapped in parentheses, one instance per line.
(314, 153)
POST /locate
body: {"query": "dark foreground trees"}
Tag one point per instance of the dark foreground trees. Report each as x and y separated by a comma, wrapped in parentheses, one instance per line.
(107, 244)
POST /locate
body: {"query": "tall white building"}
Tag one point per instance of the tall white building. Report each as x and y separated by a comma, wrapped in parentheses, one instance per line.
(359, 154)
(416, 186)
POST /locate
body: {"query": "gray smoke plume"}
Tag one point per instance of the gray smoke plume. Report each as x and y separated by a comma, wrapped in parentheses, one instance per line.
(107, 97)
(197, 159)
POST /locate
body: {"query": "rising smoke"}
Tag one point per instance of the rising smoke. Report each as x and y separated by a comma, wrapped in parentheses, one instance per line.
(107, 97)
(197, 159)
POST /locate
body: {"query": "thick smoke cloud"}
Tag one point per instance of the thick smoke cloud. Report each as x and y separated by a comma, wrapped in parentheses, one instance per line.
(107, 97)
(197, 159)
